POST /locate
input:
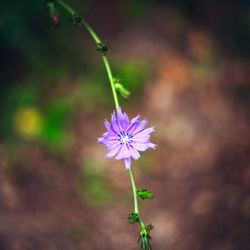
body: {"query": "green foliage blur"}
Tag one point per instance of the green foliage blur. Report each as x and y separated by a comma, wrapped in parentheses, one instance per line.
(50, 73)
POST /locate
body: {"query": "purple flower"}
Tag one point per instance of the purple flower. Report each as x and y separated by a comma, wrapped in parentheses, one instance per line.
(125, 138)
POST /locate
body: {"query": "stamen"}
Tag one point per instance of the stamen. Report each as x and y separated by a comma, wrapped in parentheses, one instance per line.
(125, 138)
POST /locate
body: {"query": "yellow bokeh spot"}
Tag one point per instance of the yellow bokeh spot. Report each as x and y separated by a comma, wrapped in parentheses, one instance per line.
(28, 122)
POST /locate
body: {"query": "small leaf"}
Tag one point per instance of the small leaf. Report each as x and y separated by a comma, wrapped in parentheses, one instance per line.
(133, 217)
(144, 194)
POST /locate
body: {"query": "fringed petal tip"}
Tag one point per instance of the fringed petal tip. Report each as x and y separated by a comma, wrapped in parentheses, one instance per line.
(152, 129)
(152, 145)
(100, 140)
(127, 162)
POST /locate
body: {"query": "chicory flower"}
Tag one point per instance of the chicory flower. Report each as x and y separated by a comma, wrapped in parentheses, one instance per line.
(125, 138)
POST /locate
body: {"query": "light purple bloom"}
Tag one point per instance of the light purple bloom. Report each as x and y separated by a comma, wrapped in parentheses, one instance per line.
(125, 138)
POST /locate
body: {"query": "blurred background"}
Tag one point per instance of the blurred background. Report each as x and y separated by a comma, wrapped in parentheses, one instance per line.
(186, 63)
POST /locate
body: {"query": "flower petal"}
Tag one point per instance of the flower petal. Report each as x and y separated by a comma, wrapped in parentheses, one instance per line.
(113, 151)
(144, 132)
(152, 145)
(125, 121)
(134, 153)
(123, 153)
(122, 119)
(115, 127)
(132, 127)
(101, 140)
(144, 139)
(135, 119)
(111, 138)
(112, 144)
(119, 114)
(143, 146)
(132, 123)
(140, 126)
(109, 127)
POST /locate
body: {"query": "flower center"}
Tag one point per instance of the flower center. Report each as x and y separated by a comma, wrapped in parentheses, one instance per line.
(125, 138)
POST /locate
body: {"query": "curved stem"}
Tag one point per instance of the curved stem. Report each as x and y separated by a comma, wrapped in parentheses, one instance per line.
(73, 13)
(97, 40)
(67, 7)
(91, 31)
(108, 69)
(106, 63)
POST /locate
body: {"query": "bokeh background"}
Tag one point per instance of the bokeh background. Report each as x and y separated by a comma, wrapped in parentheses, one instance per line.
(187, 66)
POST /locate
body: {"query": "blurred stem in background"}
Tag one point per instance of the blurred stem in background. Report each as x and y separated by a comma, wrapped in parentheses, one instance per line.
(103, 48)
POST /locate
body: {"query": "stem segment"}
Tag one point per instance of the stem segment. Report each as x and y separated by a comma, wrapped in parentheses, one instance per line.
(135, 196)
(106, 63)
(67, 7)
(134, 191)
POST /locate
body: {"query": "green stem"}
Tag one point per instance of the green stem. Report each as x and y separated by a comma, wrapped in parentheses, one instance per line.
(74, 13)
(91, 31)
(106, 63)
(97, 40)
(134, 191)
(135, 196)
(67, 7)
(108, 69)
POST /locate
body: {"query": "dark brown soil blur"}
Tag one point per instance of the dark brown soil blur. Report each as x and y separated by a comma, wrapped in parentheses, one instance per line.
(198, 100)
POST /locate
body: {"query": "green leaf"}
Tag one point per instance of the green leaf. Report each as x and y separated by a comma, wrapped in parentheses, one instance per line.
(144, 194)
